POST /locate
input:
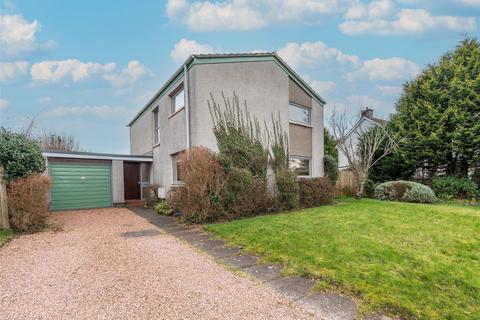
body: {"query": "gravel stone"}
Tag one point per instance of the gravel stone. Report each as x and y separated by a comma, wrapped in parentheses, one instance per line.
(89, 270)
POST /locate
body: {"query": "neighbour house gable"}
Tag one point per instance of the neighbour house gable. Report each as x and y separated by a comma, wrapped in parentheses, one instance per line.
(297, 83)
(366, 121)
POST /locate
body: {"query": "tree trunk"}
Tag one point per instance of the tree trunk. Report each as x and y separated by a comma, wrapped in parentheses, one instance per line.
(4, 223)
(358, 184)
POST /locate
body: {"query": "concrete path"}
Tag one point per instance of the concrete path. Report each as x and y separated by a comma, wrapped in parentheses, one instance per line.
(115, 264)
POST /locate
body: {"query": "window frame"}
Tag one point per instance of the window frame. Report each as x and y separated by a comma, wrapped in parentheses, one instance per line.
(309, 159)
(156, 126)
(175, 93)
(292, 104)
(175, 168)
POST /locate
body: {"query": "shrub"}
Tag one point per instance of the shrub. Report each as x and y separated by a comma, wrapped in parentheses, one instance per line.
(369, 188)
(449, 187)
(200, 198)
(28, 202)
(20, 156)
(239, 137)
(288, 189)
(331, 168)
(245, 194)
(408, 191)
(163, 208)
(419, 193)
(150, 195)
(316, 192)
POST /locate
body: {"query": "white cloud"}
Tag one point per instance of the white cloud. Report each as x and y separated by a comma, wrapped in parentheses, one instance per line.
(18, 36)
(45, 100)
(10, 70)
(363, 101)
(210, 16)
(323, 88)
(250, 14)
(133, 72)
(185, 48)
(407, 21)
(471, 2)
(312, 54)
(390, 90)
(99, 111)
(75, 70)
(385, 69)
(52, 71)
(374, 9)
(3, 103)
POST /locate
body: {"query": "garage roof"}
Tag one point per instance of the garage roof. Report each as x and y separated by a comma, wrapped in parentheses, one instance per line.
(95, 155)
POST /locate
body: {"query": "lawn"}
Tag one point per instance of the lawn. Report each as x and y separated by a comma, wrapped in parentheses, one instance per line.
(413, 260)
(5, 235)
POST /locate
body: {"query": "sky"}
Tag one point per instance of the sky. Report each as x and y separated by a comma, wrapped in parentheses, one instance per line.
(85, 68)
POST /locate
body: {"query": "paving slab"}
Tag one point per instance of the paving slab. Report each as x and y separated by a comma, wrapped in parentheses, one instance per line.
(265, 272)
(141, 233)
(241, 261)
(173, 227)
(196, 238)
(210, 244)
(186, 232)
(223, 252)
(332, 306)
(294, 287)
(377, 317)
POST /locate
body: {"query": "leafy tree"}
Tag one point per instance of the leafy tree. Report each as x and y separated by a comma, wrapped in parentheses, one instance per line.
(329, 144)
(19, 155)
(437, 122)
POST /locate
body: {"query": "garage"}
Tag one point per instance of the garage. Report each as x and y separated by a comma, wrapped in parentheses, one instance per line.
(84, 180)
(80, 186)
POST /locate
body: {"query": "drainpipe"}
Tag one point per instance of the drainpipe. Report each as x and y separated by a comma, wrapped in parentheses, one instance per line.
(187, 106)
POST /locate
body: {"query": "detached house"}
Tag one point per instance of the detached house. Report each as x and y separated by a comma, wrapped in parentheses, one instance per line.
(177, 118)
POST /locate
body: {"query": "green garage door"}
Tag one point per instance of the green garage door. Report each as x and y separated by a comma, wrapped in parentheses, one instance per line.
(80, 186)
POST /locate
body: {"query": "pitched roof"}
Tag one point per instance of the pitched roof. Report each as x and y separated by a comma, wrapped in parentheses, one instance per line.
(225, 58)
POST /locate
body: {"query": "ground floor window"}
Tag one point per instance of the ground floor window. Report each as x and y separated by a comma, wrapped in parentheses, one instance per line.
(301, 165)
(177, 169)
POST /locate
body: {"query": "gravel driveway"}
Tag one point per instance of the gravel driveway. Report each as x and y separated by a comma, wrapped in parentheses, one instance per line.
(102, 266)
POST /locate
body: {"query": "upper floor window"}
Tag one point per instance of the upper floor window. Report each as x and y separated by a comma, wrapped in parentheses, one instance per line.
(178, 99)
(299, 114)
(156, 126)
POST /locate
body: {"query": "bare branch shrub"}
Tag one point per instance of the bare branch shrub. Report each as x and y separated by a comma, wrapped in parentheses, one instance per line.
(362, 147)
(59, 142)
(28, 202)
(200, 196)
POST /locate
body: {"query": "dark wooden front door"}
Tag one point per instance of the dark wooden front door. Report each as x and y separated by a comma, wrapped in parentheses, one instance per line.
(131, 178)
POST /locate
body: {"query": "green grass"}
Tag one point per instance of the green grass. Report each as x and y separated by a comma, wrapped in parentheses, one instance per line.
(5, 235)
(413, 260)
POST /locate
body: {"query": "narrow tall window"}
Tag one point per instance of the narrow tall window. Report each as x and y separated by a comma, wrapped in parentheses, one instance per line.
(178, 100)
(177, 169)
(299, 114)
(156, 125)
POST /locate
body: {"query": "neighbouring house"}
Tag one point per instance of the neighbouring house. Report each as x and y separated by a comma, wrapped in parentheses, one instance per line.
(366, 120)
(177, 118)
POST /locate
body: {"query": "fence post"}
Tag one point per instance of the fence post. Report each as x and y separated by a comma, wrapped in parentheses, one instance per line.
(4, 223)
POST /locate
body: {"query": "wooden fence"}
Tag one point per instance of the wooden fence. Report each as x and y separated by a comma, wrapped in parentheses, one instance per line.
(345, 185)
